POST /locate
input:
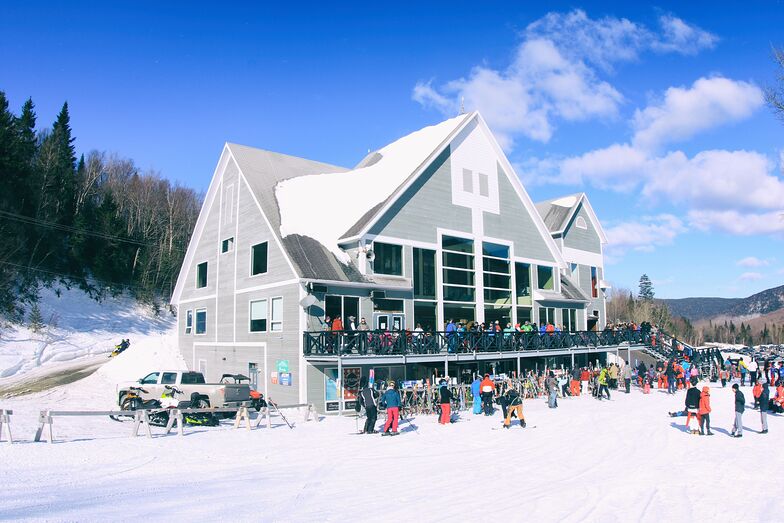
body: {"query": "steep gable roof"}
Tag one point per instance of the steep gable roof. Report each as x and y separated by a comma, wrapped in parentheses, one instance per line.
(558, 213)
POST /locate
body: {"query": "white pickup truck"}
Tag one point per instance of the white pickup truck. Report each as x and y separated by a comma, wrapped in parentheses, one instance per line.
(154, 384)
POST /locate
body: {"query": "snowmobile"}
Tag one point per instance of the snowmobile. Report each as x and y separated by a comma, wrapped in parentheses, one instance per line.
(198, 401)
(133, 401)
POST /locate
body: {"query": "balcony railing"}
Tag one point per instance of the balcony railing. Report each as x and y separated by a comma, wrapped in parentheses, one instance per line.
(399, 343)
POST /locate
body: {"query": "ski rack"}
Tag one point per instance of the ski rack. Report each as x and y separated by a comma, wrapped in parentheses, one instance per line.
(266, 413)
(5, 422)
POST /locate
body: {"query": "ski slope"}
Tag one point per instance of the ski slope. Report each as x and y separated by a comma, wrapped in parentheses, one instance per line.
(79, 333)
(620, 460)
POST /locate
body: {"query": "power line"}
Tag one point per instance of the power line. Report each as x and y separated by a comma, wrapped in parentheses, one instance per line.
(67, 228)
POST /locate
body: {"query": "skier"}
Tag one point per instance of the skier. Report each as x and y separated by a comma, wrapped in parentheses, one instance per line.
(740, 406)
(514, 408)
(692, 410)
(627, 377)
(446, 403)
(764, 401)
(391, 400)
(476, 392)
(368, 398)
(488, 391)
(704, 412)
(552, 388)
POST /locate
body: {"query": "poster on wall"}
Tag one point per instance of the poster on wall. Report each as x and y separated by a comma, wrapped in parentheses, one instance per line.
(285, 379)
(274, 378)
(351, 382)
(282, 365)
(331, 384)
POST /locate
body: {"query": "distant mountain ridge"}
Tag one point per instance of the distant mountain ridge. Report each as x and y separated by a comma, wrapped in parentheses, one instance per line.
(764, 302)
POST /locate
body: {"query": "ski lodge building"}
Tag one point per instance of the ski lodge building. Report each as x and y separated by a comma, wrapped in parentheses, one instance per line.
(433, 227)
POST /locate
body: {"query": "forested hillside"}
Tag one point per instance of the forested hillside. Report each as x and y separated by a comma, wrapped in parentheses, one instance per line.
(90, 220)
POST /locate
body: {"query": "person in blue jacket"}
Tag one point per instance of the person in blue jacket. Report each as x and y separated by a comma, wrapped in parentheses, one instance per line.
(391, 400)
(477, 394)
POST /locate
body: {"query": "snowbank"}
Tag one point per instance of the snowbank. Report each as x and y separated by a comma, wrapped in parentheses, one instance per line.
(362, 188)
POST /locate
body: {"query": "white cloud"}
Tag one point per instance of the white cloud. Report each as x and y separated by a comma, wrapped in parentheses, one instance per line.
(680, 37)
(734, 222)
(750, 276)
(553, 75)
(752, 261)
(683, 112)
(643, 235)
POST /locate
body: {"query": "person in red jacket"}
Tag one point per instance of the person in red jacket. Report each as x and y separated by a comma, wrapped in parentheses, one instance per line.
(487, 389)
(704, 412)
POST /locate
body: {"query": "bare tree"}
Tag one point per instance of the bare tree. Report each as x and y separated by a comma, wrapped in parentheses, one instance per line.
(774, 96)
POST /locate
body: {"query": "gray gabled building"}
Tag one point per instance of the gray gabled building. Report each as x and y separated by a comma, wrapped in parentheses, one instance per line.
(433, 227)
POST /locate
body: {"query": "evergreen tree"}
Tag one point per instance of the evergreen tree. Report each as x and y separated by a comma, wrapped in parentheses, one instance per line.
(35, 321)
(646, 288)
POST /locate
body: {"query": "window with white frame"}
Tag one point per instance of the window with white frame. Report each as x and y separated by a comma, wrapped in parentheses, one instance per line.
(276, 314)
(580, 223)
(201, 321)
(227, 245)
(201, 275)
(258, 316)
(258, 259)
(188, 321)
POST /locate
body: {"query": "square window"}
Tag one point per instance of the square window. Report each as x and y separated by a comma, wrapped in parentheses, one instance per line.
(201, 321)
(545, 277)
(258, 316)
(276, 314)
(258, 259)
(389, 259)
(227, 245)
(188, 321)
(201, 275)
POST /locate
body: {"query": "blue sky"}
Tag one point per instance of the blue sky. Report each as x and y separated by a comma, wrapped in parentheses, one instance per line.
(654, 111)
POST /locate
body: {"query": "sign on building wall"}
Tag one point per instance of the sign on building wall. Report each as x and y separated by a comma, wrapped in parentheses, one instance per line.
(282, 365)
(285, 379)
(274, 378)
(351, 382)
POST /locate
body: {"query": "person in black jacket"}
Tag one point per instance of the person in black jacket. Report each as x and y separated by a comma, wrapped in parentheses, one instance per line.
(764, 401)
(740, 406)
(515, 407)
(368, 398)
(445, 400)
(692, 410)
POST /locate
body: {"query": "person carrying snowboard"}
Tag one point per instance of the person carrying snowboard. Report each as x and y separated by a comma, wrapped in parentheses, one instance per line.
(476, 392)
(368, 398)
(446, 402)
(391, 400)
(514, 407)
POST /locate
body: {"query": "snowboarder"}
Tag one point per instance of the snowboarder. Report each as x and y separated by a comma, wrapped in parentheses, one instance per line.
(445, 401)
(514, 407)
(740, 406)
(488, 392)
(391, 400)
(368, 398)
(704, 412)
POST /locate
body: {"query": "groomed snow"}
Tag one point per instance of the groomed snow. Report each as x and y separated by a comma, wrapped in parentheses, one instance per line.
(620, 460)
(336, 201)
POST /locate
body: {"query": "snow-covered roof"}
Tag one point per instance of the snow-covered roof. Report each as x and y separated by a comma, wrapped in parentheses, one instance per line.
(328, 205)
(557, 213)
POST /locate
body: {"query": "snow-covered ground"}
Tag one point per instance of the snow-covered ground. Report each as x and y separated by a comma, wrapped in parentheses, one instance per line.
(620, 460)
(79, 333)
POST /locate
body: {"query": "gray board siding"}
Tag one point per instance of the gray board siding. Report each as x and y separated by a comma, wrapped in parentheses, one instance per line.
(515, 223)
(582, 239)
(425, 206)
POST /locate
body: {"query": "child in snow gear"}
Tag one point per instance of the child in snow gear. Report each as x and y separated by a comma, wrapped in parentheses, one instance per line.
(445, 402)
(488, 391)
(514, 407)
(368, 398)
(692, 409)
(391, 400)
(740, 406)
(704, 412)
